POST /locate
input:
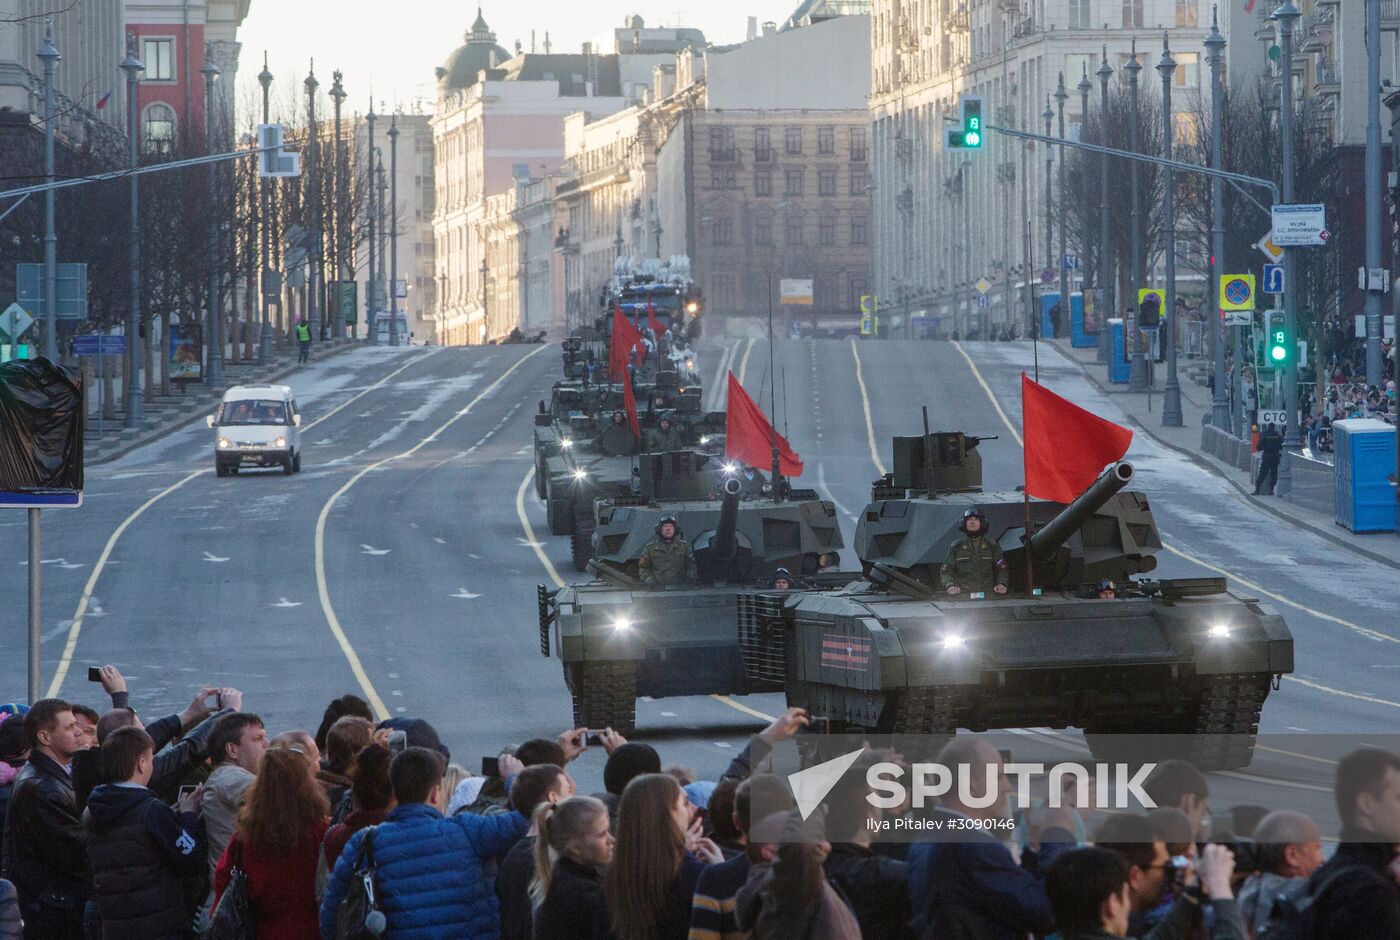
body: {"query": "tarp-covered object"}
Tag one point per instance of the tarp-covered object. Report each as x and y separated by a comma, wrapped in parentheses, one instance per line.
(41, 427)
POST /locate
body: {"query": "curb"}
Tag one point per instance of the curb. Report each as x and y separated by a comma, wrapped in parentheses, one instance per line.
(196, 412)
(1201, 461)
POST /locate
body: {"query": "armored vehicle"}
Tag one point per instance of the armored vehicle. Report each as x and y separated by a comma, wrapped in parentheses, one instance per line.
(619, 639)
(895, 653)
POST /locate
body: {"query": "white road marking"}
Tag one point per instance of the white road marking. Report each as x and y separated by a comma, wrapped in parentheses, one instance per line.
(371, 550)
(465, 595)
(865, 406)
(440, 541)
(470, 555)
(209, 556)
(668, 714)
(283, 602)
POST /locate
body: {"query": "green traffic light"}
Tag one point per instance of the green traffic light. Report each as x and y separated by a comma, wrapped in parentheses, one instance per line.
(973, 139)
(1278, 353)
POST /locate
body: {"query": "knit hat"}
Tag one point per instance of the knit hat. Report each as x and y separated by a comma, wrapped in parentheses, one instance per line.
(628, 762)
(13, 740)
(418, 733)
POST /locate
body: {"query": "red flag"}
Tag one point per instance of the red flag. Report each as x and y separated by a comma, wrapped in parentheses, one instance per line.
(1066, 447)
(749, 437)
(657, 330)
(625, 339)
(629, 402)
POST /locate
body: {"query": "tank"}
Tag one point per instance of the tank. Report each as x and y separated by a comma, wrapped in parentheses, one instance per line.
(618, 640)
(893, 653)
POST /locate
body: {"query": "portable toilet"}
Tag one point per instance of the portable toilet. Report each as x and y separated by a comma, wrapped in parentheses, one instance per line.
(1365, 460)
(1120, 368)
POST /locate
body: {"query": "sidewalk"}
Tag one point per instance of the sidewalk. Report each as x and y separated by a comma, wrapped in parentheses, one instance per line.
(1383, 547)
(166, 414)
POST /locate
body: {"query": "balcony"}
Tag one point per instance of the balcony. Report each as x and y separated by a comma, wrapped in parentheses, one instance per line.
(956, 19)
(723, 155)
(765, 155)
(1327, 79)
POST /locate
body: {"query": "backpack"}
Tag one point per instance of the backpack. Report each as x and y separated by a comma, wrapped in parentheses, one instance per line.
(1294, 917)
(358, 917)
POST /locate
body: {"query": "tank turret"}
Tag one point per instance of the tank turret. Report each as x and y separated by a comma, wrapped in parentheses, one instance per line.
(719, 553)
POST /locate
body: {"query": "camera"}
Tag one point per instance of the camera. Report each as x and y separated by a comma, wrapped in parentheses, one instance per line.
(94, 674)
(398, 740)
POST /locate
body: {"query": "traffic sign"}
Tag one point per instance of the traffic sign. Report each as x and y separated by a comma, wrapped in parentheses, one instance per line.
(1237, 317)
(983, 285)
(983, 302)
(72, 285)
(1071, 262)
(1302, 224)
(791, 290)
(14, 321)
(1273, 417)
(867, 303)
(1237, 292)
(1047, 277)
(99, 344)
(1273, 279)
(1271, 251)
(41, 499)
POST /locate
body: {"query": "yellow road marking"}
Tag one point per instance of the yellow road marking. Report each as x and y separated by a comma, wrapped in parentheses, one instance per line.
(76, 628)
(717, 388)
(865, 406)
(977, 374)
(744, 363)
(549, 568)
(740, 706)
(322, 588)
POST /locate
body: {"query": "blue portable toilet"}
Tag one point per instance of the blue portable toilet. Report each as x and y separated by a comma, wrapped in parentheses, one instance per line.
(1079, 337)
(1119, 368)
(1047, 303)
(1365, 460)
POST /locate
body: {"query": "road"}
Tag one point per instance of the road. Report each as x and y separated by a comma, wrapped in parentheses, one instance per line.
(402, 563)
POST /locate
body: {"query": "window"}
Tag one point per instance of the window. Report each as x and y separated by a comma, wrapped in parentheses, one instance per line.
(763, 184)
(159, 129)
(722, 290)
(858, 144)
(721, 143)
(793, 235)
(858, 232)
(858, 289)
(158, 55)
(792, 137)
(1078, 14)
(1187, 69)
(857, 187)
(723, 231)
(826, 230)
(826, 183)
(721, 177)
(1186, 13)
(763, 232)
(792, 182)
(826, 139)
(1132, 13)
(762, 145)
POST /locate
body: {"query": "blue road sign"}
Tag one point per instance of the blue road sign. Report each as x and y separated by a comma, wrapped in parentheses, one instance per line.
(99, 344)
(1273, 279)
(41, 499)
(983, 302)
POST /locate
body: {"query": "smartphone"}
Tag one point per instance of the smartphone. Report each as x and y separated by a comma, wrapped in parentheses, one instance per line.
(398, 740)
(819, 725)
(187, 789)
(94, 674)
(593, 737)
(490, 766)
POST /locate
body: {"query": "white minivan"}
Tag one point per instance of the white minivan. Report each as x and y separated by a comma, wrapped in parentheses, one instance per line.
(257, 426)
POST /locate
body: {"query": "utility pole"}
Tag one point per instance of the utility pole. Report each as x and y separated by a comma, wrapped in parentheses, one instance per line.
(1066, 318)
(1215, 49)
(371, 281)
(1085, 254)
(485, 318)
(967, 248)
(1373, 192)
(338, 254)
(380, 286)
(313, 204)
(1287, 15)
(49, 56)
(394, 230)
(1107, 295)
(135, 394)
(213, 308)
(1171, 392)
(1137, 376)
(1049, 116)
(268, 275)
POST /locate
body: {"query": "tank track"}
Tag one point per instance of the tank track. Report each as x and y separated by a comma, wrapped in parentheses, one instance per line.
(559, 513)
(1227, 721)
(920, 710)
(581, 544)
(541, 476)
(605, 696)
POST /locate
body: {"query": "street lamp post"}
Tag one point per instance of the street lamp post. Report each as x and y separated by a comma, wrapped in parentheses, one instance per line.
(313, 200)
(49, 56)
(1066, 317)
(1085, 254)
(268, 277)
(371, 281)
(1373, 192)
(1287, 15)
(1049, 116)
(394, 230)
(1215, 48)
(1171, 392)
(381, 267)
(1107, 298)
(213, 308)
(1137, 376)
(135, 394)
(967, 247)
(485, 328)
(334, 311)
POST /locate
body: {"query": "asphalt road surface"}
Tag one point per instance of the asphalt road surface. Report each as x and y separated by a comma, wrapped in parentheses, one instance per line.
(401, 563)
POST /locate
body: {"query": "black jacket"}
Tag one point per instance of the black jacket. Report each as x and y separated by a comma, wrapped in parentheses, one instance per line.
(43, 843)
(171, 765)
(513, 879)
(575, 896)
(1271, 444)
(139, 849)
(1366, 901)
(875, 888)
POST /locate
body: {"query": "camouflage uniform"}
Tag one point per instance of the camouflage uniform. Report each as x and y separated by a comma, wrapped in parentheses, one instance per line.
(974, 563)
(666, 564)
(659, 441)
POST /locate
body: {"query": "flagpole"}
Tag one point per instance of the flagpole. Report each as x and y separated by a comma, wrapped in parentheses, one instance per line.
(1025, 490)
(776, 493)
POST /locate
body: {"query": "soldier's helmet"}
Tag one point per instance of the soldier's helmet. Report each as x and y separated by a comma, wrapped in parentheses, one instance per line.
(971, 513)
(672, 520)
(664, 421)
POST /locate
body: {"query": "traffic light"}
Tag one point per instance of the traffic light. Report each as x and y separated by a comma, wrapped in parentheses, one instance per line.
(1275, 339)
(969, 134)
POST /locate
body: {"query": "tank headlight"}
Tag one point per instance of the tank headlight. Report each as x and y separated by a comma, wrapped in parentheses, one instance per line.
(690, 363)
(622, 625)
(692, 307)
(704, 439)
(731, 468)
(1218, 631)
(280, 442)
(225, 443)
(565, 444)
(953, 641)
(580, 475)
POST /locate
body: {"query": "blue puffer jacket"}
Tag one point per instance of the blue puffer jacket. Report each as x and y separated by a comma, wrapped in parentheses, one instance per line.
(431, 873)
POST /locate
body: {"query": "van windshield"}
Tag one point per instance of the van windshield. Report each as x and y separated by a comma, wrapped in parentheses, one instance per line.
(254, 411)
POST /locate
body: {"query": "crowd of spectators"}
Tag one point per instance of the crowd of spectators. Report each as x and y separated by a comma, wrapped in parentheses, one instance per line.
(200, 823)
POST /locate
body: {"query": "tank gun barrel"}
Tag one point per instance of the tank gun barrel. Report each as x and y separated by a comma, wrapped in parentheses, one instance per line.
(725, 543)
(1057, 531)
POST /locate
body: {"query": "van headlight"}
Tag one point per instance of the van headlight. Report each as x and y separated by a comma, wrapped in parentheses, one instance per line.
(280, 442)
(225, 443)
